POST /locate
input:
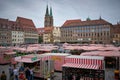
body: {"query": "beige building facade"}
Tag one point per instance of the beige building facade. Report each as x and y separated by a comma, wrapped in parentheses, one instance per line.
(29, 29)
(56, 35)
(90, 31)
(5, 32)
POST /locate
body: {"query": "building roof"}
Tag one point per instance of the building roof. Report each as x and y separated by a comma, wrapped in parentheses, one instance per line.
(40, 30)
(15, 26)
(25, 21)
(48, 29)
(69, 23)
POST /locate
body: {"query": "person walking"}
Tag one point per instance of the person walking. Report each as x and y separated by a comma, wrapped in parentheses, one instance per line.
(11, 72)
(21, 69)
(31, 74)
(3, 76)
(16, 73)
(21, 76)
(27, 73)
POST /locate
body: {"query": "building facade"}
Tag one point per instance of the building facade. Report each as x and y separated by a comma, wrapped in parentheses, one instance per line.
(56, 35)
(116, 34)
(48, 35)
(40, 31)
(5, 32)
(40, 34)
(29, 29)
(17, 33)
(89, 31)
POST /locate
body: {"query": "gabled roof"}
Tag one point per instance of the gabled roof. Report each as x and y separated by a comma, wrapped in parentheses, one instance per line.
(25, 21)
(69, 23)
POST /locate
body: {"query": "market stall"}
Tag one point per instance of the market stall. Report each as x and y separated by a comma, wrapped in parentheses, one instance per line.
(58, 58)
(40, 64)
(84, 67)
(6, 55)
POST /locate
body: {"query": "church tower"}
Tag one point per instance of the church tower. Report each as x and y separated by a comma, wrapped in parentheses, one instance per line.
(48, 20)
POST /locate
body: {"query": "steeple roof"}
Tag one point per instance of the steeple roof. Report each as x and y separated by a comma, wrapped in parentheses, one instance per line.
(88, 18)
(47, 11)
(50, 11)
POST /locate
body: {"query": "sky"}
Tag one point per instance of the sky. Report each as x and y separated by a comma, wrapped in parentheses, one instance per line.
(62, 10)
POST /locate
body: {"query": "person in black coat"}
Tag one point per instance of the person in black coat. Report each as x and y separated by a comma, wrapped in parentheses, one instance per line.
(27, 73)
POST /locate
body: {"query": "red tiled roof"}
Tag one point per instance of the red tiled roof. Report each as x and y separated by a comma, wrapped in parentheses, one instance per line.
(116, 28)
(48, 29)
(71, 22)
(84, 23)
(40, 30)
(15, 26)
(25, 21)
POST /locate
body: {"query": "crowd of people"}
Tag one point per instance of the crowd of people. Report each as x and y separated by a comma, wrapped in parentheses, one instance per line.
(20, 73)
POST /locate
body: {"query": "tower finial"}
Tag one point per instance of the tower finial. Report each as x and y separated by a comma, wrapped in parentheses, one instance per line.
(47, 11)
(51, 11)
(100, 17)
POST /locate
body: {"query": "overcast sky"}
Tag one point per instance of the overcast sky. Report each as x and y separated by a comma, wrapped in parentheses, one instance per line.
(62, 10)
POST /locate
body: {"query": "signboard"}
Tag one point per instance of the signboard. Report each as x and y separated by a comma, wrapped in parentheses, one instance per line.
(17, 58)
(34, 58)
(56, 58)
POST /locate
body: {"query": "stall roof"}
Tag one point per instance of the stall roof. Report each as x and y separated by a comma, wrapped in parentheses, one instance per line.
(86, 57)
(83, 66)
(9, 53)
(57, 54)
(102, 53)
(27, 60)
(92, 47)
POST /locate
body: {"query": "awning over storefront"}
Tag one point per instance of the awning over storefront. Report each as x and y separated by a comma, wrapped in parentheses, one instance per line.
(83, 66)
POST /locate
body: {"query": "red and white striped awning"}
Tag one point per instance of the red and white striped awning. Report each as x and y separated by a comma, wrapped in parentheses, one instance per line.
(83, 66)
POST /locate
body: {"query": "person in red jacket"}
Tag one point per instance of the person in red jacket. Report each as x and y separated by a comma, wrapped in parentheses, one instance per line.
(21, 76)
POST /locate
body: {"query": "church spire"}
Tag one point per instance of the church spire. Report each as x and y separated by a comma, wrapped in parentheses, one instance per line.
(47, 11)
(100, 17)
(51, 11)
